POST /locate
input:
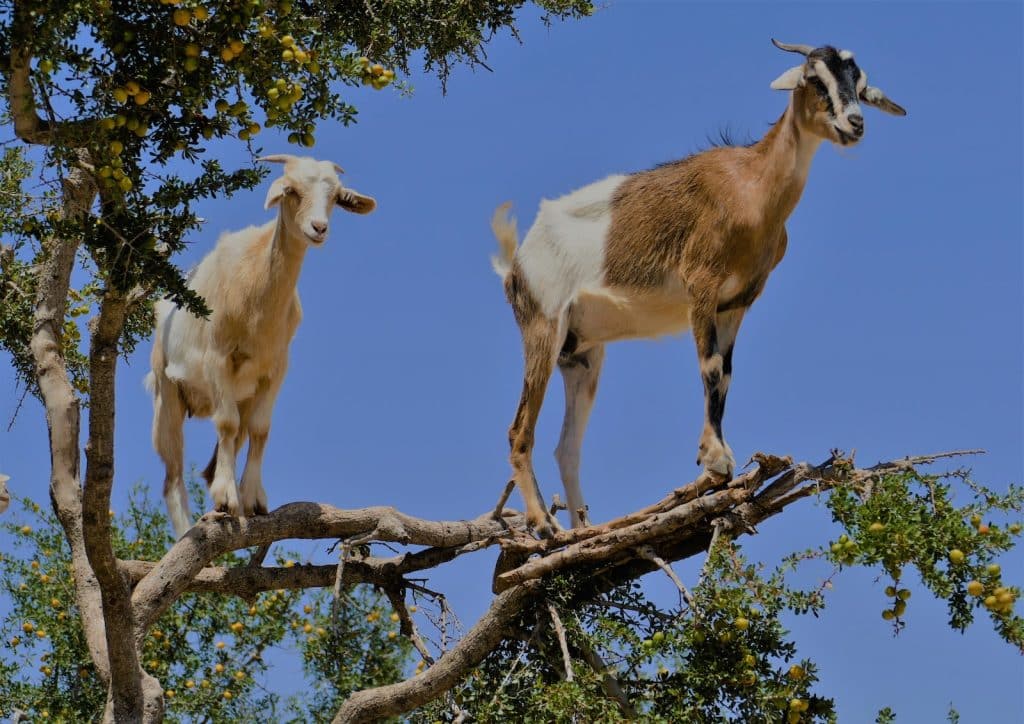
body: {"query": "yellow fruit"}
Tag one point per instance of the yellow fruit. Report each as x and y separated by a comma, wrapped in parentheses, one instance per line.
(142, 97)
(55, 602)
(208, 134)
(307, 628)
(239, 675)
(236, 46)
(237, 626)
(876, 527)
(227, 694)
(46, 66)
(748, 660)
(796, 704)
(192, 50)
(287, 41)
(120, 95)
(189, 684)
(219, 668)
(115, 148)
(991, 602)
(125, 184)
(120, 119)
(975, 588)
(287, 55)
(220, 644)
(392, 634)
(308, 140)
(221, 105)
(107, 124)
(266, 31)
(983, 529)
(903, 593)
(254, 128)
(204, 684)
(741, 623)
(888, 615)
(993, 569)
(956, 556)
(376, 69)
(900, 608)
(284, 8)
(169, 693)
(181, 16)
(395, 617)
(190, 64)
(412, 609)
(28, 627)
(132, 87)
(201, 13)
(288, 563)
(796, 672)
(41, 634)
(15, 640)
(227, 55)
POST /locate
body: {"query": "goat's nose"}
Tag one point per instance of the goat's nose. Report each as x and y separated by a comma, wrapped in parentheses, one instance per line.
(856, 122)
(319, 227)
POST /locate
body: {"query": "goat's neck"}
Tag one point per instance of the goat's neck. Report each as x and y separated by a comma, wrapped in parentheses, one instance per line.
(783, 161)
(285, 262)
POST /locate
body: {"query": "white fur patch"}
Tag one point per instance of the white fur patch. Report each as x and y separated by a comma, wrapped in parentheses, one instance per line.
(563, 251)
(846, 54)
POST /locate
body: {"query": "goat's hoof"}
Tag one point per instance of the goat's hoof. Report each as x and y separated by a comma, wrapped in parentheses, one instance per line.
(214, 515)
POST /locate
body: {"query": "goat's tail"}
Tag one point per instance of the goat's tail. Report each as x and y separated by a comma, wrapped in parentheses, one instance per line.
(503, 224)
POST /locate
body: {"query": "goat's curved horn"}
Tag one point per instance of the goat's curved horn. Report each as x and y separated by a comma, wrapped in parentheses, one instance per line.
(793, 47)
(338, 168)
(277, 158)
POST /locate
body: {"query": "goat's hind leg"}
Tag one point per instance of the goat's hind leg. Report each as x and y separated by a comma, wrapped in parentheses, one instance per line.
(168, 418)
(580, 373)
(542, 340)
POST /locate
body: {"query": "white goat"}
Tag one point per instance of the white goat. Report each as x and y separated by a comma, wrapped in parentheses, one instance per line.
(231, 365)
(689, 244)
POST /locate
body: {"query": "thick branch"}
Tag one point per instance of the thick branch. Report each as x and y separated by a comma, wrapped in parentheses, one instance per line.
(125, 673)
(211, 538)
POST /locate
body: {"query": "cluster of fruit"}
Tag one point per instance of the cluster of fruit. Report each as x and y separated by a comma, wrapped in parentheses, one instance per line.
(796, 709)
(183, 16)
(132, 90)
(899, 607)
(998, 599)
(112, 174)
(375, 74)
(845, 550)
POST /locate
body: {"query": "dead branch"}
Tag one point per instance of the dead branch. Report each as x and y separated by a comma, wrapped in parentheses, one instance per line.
(556, 622)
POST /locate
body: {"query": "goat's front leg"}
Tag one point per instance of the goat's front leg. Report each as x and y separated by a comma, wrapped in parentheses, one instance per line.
(713, 453)
(226, 421)
(254, 497)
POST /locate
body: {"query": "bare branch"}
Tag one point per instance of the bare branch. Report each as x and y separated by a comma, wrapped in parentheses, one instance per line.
(560, 633)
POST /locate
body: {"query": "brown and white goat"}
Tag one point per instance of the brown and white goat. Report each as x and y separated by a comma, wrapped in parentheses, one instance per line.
(231, 365)
(688, 244)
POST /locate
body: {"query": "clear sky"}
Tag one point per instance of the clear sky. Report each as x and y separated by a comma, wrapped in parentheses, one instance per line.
(893, 326)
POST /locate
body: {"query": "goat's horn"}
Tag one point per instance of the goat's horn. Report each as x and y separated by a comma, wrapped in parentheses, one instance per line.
(338, 168)
(793, 47)
(277, 158)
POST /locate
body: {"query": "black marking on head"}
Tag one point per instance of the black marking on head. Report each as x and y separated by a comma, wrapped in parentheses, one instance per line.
(844, 71)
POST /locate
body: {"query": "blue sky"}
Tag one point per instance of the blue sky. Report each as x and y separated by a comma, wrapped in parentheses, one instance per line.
(893, 326)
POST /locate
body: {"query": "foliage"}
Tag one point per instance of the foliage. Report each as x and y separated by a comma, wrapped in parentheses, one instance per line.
(207, 650)
(722, 654)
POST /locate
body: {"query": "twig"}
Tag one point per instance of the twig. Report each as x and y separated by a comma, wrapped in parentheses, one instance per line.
(648, 553)
(407, 626)
(560, 632)
(509, 487)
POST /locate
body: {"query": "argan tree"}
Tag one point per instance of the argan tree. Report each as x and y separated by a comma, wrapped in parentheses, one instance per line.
(119, 103)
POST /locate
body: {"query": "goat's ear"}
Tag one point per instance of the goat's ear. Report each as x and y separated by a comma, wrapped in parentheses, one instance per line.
(792, 78)
(875, 97)
(277, 189)
(355, 202)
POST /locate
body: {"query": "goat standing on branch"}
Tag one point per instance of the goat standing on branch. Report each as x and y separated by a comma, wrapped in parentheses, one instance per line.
(231, 366)
(687, 244)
